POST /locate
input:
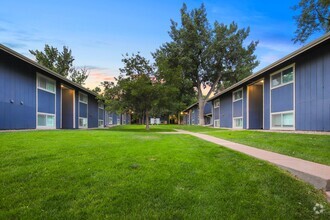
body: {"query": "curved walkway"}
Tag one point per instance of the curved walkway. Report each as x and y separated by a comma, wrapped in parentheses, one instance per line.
(313, 173)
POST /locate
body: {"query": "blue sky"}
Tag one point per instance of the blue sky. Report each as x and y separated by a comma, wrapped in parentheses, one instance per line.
(100, 31)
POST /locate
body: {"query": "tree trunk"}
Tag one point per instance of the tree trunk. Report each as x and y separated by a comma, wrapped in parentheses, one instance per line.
(201, 104)
(147, 121)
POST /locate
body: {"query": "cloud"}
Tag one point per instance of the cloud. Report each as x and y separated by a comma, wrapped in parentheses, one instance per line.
(14, 45)
(98, 75)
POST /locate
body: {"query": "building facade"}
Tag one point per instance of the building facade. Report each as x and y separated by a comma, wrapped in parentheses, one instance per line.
(34, 97)
(290, 94)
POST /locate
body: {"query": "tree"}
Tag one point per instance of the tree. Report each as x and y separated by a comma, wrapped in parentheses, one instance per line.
(169, 71)
(61, 63)
(314, 17)
(210, 55)
(136, 90)
(79, 75)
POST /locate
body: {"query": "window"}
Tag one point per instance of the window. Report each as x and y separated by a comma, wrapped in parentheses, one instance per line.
(217, 103)
(282, 78)
(110, 121)
(83, 98)
(46, 84)
(283, 120)
(46, 120)
(238, 123)
(83, 123)
(217, 123)
(118, 121)
(101, 124)
(238, 95)
(101, 106)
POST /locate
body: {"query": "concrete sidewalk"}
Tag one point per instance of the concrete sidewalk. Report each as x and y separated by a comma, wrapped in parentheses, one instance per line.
(313, 173)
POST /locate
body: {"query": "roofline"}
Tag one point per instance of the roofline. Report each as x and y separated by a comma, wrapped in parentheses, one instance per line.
(28, 60)
(275, 64)
(189, 107)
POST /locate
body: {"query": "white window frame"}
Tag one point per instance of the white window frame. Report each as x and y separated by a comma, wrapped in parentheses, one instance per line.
(101, 126)
(39, 75)
(80, 93)
(232, 112)
(217, 103)
(293, 94)
(100, 106)
(46, 127)
(234, 124)
(79, 122)
(218, 122)
(110, 120)
(282, 127)
(238, 90)
(118, 120)
(47, 80)
(281, 72)
(79, 110)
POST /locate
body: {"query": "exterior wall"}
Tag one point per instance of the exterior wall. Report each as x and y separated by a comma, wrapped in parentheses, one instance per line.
(313, 91)
(255, 107)
(17, 95)
(226, 118)
(267, 102)
(92, 112)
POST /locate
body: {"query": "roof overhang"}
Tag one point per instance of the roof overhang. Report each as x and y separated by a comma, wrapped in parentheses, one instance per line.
(37, 65)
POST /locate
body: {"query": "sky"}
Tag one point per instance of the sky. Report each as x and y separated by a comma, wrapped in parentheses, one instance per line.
(99, 32)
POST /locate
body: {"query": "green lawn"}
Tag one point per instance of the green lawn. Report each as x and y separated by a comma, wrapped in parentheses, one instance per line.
(128, 173)
(312, 147)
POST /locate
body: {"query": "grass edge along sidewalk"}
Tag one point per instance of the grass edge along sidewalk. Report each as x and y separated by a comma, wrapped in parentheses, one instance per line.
(316, 174)
(311, 147)
(133, 174)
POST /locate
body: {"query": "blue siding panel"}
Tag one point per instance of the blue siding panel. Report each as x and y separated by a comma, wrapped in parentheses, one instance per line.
(67, 109)
(244, 107)
(238, 108)
(282, 98)
(208, 108)
(18, 83)
(267, 102)
(58, 105)
(255, 107)
(92, 112)
(46, 102)
(313, 91)
(101, 114)
(83, 110)
(226, 111)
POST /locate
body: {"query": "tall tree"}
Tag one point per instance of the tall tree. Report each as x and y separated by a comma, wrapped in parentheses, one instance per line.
(210, 56)
(314, 17)
(61, 63)
(169, 71)
(136, 90)
(79, 75)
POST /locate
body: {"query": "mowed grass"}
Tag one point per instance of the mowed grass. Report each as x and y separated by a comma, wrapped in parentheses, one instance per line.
(312, 147)
(129, 173)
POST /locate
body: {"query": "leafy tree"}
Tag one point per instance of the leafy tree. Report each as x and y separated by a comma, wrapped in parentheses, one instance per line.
(136, 90)
(97, 90)
(169, 71)
(61, 63)
(209, 56)
(314, 17)
(79, 75)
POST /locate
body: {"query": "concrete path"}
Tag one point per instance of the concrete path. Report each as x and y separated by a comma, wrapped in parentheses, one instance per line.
(313, 173)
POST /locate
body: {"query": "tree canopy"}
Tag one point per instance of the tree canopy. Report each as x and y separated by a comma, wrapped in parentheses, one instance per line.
(208, 55)
(136, 89)
(314, 17)
(61, 63)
